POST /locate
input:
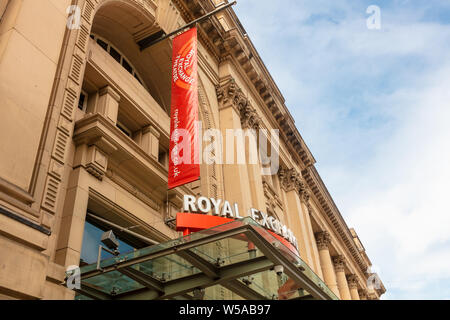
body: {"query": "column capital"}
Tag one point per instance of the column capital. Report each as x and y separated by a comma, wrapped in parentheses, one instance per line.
(339, 263)
(323, 239)
(292, 180)
(363, 294)
(352, 281)
(230, 95)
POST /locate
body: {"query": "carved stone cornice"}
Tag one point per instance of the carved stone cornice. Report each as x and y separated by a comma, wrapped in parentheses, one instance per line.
(323, 239)
(352, 281)
(230, 95)
(339, 263)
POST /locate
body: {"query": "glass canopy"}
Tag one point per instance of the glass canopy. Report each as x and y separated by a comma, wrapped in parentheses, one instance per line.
(229, 262)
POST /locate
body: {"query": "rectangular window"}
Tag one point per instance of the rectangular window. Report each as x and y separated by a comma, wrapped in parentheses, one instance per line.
(162, 157)
(82, 102)
(91, 241)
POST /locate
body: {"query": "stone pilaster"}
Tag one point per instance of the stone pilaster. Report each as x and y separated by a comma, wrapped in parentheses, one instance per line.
(339, 267)
(236, 177)
(323, 241)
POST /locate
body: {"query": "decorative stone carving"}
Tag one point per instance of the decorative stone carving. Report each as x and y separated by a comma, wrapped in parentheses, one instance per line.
(352, 281)
(323, 240)
(229, 94)
(305, 196)
(363, 294)
(290, 180)
(339, 263)
(249, 118)
(310, 208)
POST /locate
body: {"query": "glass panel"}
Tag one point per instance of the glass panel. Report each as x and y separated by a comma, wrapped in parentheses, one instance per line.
(159, 247)
(115, 54)
(295, 259)
(91, 242)
(225, 252)
(113, 283)
(167, 268)
(81, 101)
(220, 293)
(228, 251)
(273, 286)
(81, 297)
(102, 44)
(127, 66)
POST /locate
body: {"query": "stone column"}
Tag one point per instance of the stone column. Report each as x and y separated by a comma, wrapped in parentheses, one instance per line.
(339, 266)
(353, 285)
(323, 241)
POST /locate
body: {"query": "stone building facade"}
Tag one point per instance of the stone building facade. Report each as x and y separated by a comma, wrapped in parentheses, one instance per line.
(85, 129)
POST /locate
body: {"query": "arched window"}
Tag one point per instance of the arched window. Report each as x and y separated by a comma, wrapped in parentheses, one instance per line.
(119, 57)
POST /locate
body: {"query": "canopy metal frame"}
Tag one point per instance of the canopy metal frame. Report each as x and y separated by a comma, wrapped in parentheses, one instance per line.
(211, 275)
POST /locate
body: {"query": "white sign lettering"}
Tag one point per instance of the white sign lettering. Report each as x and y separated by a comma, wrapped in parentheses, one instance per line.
(218, 207)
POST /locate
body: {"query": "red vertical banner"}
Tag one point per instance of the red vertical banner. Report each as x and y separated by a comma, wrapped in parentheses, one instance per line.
(184, 164)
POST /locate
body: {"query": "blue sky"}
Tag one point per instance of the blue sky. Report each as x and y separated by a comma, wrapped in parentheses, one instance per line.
(374, 108)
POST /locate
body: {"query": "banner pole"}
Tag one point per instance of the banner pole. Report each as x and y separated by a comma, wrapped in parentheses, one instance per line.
(148, 42)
